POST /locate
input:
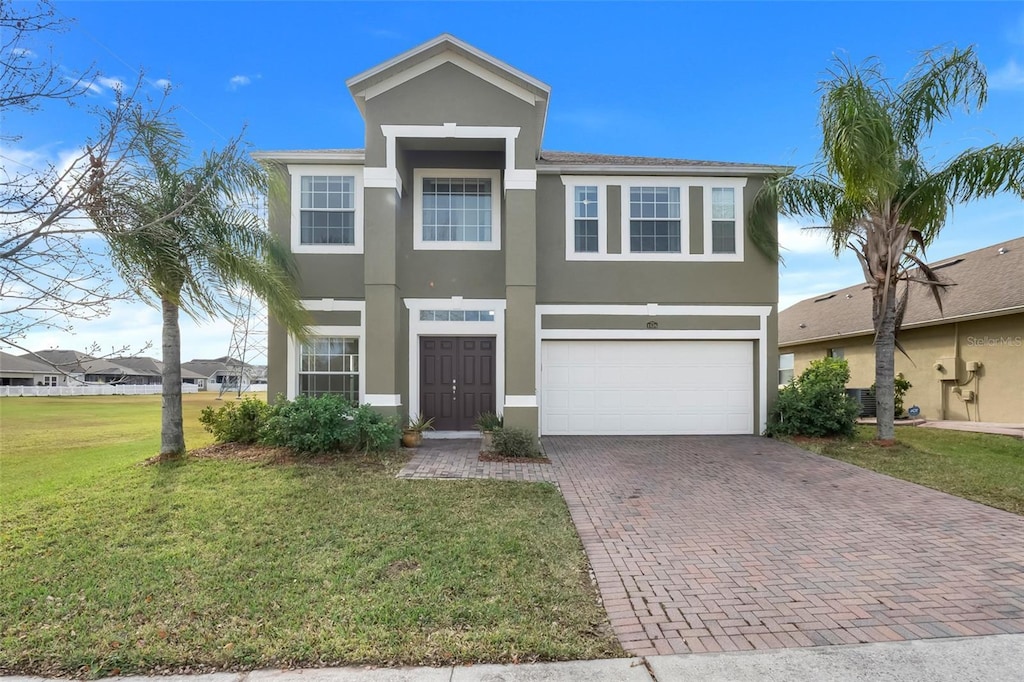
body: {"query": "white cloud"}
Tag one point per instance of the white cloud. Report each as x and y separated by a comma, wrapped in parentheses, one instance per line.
(161, 84)
(794, 238)
(241, 80)
(110, 83)
(22, 52)
(1009, 77)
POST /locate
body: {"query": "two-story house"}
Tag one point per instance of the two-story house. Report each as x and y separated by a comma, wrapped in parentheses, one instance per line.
(453, 266)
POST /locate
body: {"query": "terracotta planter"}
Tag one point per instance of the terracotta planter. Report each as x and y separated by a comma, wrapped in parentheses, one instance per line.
(487, 443)
(412, 439)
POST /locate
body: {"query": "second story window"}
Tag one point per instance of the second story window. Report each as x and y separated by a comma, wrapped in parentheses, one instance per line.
(457, 209)
(654, 220)
(585, 215)
(723, 220)
(327, 210)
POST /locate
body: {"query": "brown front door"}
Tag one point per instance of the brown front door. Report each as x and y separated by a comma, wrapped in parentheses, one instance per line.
(456, 380)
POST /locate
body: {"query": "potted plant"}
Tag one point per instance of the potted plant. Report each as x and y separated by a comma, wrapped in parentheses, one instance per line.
(412, 434)
(487, 423)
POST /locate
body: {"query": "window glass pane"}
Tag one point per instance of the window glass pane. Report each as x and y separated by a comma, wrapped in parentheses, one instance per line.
(654, 236)
(586, 236)
(723, 204)
(456, 209)
(330, 365)
(723, 236)
(327, 204)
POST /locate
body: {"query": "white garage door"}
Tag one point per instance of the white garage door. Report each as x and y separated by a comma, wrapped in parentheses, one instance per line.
(647, 387)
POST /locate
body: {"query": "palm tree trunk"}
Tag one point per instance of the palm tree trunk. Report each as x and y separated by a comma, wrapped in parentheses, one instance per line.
(172, 431)
(885, 364)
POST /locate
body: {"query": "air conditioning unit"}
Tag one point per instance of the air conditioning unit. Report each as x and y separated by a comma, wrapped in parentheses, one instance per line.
(865, 397)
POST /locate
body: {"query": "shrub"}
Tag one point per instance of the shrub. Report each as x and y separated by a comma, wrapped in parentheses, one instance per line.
(815, 404)
(328, 423)
(236, 422)
(900, 386)
(515, 442)
(488, 421)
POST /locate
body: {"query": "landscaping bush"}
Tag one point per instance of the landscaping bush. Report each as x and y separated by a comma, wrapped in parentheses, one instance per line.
(514, 442)
(815, 404)
(328, 423)
(236, 422)
(900, 387)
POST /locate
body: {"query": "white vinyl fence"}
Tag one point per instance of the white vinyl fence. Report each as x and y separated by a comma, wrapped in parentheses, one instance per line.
(96, 389)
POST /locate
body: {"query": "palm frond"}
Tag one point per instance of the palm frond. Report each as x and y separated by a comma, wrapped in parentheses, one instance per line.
(939, 84)
(789, 195)
(980, 173)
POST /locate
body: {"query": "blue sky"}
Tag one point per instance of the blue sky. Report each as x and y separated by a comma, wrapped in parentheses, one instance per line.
(721, 81)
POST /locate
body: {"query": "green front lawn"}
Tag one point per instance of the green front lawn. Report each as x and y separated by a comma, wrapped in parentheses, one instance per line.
(108, 566)
(978, 466)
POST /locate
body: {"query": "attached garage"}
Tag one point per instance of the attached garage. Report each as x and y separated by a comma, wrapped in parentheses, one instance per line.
(641, 387)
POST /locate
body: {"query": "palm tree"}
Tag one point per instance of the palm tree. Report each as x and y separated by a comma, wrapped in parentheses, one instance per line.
(876, 192)
(186, 238)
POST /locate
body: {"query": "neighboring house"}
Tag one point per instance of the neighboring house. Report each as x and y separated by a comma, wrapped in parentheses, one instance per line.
(966, 362)
(454, 267)
(220, 371)
(83, 368)
(26, 371)
(154, 369)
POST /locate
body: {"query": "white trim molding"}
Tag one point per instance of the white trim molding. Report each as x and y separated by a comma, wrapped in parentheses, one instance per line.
(419, 174)
(297, 171)
(625, 182)
(334, 304)
(761, 312)
(521, 400)
(383, 399)
(382, 178)
(418, 328)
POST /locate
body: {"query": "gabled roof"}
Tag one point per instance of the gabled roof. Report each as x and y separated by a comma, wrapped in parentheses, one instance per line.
(76, 362)
(444, 49)
(984, 283)
(209, 367)
(22, 364)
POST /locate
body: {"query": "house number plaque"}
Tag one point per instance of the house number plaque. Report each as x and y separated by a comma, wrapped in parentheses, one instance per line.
(652, 325)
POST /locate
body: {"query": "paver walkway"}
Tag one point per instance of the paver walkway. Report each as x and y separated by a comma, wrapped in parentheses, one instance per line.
(460, 458)
(736, 543)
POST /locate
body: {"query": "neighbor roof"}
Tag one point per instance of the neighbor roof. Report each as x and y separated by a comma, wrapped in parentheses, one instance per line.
(22, 364)
(983, 283)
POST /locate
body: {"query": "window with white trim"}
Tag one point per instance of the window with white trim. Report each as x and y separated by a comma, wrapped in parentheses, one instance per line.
(585, 214)
(49, 380)
(655, 225)
(723, 220)
(327, 209)
(457, 209)
(786, 361)
(329, 365)
(457, 316)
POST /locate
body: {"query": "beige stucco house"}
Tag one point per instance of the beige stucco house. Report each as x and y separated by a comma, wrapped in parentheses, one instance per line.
(966, 362)
(453, 266)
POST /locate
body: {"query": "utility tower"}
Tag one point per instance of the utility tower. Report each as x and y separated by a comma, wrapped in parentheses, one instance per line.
(247, 353)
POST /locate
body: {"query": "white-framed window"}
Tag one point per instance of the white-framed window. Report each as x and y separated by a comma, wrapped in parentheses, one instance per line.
(457, 209)
(586, 229)
(50, 380)
(329, 365)
(456, 315)
(786, 361)
(723, 220)
(837, 353)
(655, 225)
(326, 211)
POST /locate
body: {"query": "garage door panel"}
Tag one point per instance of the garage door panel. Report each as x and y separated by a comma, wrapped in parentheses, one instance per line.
(647, 387)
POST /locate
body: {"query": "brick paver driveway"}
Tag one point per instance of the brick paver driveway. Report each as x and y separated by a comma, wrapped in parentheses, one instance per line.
(704, 544)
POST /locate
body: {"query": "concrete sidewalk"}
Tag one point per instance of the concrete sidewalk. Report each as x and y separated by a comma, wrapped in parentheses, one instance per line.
(995, 658)
(978, 427)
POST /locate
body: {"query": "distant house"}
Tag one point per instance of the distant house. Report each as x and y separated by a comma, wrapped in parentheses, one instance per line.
(224, 371)
(25, 371)
(966, 361)
(93, 370)
(153, 369)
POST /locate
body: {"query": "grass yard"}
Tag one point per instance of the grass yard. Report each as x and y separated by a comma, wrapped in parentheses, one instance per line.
(110, 567)
(982, 467)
